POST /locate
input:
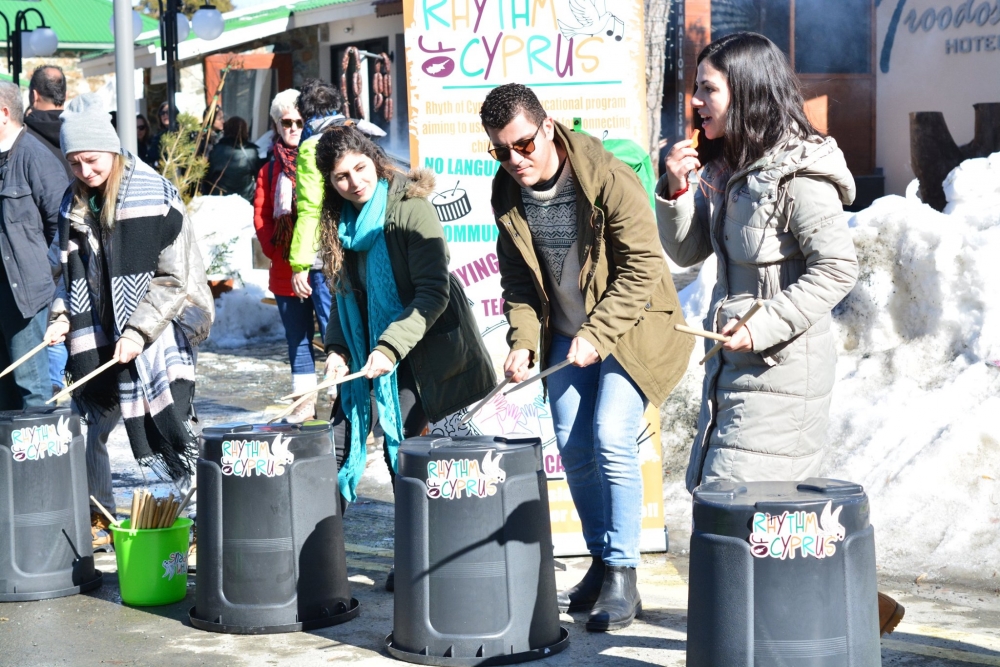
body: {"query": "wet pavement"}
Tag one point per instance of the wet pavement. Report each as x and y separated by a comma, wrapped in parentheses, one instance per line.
(943, 625)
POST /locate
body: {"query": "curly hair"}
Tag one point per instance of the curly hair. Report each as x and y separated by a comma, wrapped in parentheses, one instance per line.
(334, 144)
(317, 99)
(504, 103)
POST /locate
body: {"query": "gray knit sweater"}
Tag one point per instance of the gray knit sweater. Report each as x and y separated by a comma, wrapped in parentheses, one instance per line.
(552, 219)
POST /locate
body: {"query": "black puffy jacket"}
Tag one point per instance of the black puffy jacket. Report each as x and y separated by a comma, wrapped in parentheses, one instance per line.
(232, 169)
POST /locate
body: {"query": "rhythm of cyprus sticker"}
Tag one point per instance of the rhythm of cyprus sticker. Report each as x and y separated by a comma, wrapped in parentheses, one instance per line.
(34, 443)
(453, 478)
(783, 536)
(245, 458)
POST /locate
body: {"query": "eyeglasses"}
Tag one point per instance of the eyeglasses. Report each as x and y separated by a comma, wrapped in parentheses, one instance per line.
(523, 148)
(287, 123)
(165, 112)
(141, 128)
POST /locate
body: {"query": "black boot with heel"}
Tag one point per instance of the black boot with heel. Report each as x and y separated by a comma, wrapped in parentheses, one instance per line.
(583, 596)
(618, 602)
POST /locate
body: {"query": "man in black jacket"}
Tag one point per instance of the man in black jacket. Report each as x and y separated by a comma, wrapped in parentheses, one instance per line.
(46, 97)
(32, 184)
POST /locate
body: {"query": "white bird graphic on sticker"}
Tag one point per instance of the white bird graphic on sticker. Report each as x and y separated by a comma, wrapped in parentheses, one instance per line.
(492, 469)
(829, 521)
(593, 18)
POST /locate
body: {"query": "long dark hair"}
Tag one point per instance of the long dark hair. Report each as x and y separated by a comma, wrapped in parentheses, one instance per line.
(236, 129)
(765, 102)
(334, 144)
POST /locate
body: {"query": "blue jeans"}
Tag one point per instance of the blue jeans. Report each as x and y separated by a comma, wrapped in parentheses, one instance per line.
(297, 318)
(58, 355)
(596, 413)
(28, 386)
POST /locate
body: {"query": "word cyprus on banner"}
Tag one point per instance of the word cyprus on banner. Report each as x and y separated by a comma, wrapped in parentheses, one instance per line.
(584, 59)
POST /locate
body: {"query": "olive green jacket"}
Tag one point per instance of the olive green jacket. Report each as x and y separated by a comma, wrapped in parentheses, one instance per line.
(436, 332)
(628, 291)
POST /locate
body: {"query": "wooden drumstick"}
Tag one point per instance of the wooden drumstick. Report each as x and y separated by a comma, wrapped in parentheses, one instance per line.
(757, 305)
(86, 378)
(479, 406)
(323, 385)
(114, 522)
(38, 348)
(135, 508)
(701, 332)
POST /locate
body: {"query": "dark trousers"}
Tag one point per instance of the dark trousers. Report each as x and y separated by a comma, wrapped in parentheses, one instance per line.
(414, 419)
(29, 385)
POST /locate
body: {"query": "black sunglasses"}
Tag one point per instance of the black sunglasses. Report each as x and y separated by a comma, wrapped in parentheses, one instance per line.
(288, 122)
(523, 148)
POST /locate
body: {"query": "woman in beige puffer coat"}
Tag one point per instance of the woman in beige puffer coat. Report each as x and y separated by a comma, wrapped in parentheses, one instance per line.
(769, 205)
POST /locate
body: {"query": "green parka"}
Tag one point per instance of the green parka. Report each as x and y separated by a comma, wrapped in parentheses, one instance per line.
(628, 292)
(436, 332)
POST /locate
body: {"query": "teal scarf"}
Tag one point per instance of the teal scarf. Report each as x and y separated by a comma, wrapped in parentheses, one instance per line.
(363, 232)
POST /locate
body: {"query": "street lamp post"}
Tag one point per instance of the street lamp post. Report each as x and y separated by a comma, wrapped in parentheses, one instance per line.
(25, 43)
(208, 24)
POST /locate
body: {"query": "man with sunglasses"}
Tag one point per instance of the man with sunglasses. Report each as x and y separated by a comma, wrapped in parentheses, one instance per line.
(579, 255)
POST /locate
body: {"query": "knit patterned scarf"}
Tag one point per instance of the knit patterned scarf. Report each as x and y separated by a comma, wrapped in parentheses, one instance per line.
(363, 232)
(284, 196)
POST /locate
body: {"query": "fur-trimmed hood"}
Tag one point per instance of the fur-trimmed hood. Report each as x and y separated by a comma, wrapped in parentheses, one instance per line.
(415, 183)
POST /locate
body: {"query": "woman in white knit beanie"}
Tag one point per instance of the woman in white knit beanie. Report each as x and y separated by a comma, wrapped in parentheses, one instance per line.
(132, 288)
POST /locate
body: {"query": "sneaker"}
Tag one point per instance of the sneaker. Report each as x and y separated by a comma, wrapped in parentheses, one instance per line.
(100, 533)
(303, 413)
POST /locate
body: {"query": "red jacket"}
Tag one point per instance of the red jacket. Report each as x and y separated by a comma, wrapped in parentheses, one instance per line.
(280, 279)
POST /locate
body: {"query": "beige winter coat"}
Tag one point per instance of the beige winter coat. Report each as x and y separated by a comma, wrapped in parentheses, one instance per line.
(779, 234)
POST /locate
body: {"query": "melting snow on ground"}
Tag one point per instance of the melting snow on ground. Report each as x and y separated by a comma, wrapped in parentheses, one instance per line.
(224, 229)
(915, 416)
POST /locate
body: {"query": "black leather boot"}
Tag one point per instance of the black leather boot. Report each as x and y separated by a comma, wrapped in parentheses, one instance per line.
(583, 596)
(618, 602)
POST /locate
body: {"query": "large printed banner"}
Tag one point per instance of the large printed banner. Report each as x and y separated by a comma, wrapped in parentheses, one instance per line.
(584, 59)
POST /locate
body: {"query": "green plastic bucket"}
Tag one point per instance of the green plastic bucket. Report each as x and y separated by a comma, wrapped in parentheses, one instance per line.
(152, 563)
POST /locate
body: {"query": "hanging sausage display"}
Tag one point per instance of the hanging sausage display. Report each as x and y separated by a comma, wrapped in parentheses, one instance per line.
(382, 85)
(352, 53)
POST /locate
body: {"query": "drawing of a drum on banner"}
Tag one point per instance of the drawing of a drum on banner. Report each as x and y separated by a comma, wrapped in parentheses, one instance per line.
(452, 204)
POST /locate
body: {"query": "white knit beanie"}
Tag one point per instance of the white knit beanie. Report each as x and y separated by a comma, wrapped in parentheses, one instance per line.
(86, 126)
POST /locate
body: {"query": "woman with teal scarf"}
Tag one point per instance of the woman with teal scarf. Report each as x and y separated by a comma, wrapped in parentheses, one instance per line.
(399, 314)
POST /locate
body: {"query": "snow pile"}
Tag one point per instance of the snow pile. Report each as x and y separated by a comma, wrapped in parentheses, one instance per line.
(914, 410)
(224, 230)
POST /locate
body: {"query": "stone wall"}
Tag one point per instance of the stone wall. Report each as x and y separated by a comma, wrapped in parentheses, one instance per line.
(76, 82)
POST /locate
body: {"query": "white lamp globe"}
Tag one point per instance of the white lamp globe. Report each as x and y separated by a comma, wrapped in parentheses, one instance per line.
(44, 41)
(183, 28)
(27, 44)
(208, 23)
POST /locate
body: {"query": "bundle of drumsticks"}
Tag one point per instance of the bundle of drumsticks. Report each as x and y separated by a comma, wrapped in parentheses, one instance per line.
(148, 511)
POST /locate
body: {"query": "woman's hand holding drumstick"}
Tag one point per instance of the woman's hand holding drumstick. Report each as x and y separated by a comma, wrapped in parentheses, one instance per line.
(740, 339)
(681, 161)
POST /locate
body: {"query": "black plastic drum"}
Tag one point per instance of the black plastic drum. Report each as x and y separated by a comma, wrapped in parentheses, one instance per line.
(270, 535)
(45, 541)
(475, 580)
(783, 575)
